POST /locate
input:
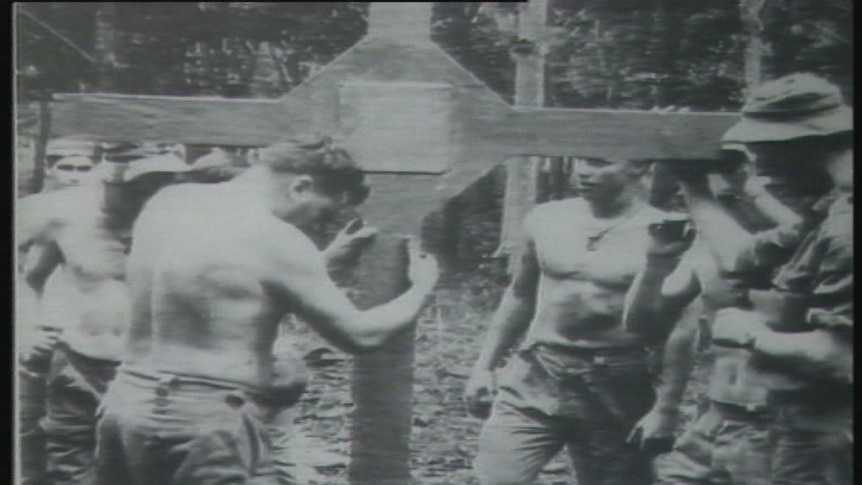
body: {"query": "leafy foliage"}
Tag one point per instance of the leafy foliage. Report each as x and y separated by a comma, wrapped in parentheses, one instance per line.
(189, 48)
(630, 54)
(601, 53)
(643, 55)
(813, 36)
(474, 37)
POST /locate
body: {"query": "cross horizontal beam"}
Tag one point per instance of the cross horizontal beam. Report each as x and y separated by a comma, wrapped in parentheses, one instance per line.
(189, 120)
(523, 131)
(616, 134)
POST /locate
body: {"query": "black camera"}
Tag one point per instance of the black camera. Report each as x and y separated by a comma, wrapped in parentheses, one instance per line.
(671, 230)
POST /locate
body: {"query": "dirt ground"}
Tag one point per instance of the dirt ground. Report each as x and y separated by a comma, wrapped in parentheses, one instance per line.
(444, 436)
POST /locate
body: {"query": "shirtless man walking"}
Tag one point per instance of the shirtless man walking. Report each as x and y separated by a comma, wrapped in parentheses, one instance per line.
(213, 271)
(81, 236)
(580, 377)
(69, 163)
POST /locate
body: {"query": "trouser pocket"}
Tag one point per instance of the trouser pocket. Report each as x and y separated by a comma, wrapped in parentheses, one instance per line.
(623, 388)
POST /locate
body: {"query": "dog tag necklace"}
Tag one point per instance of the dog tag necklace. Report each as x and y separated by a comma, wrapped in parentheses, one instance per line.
(594, 240)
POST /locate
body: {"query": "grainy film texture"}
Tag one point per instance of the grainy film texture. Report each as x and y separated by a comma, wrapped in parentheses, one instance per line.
(482, 243)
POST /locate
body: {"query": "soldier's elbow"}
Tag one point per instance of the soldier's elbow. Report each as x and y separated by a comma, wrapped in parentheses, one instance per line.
(364, 342)
(362, 345)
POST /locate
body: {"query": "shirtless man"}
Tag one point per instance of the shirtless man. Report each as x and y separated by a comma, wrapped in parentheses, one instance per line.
(214, 269)
(799, 332)
(70, 163)
(580, 378)
(80, 236)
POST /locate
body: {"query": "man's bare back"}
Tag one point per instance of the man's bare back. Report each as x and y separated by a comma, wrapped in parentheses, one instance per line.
(92, 307)
(586, 268)
(214, 271)
(209, 301)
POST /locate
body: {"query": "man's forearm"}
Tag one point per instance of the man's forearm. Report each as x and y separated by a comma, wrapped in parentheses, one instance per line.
(509, 323)
(773, 209)
(381, 323)
(678, 360)
(649, 313)
(819, 354)
(725, 238)
(335, 261)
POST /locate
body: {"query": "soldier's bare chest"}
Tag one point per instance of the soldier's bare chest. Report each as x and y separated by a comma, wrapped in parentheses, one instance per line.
(602, 252)
(93, 250)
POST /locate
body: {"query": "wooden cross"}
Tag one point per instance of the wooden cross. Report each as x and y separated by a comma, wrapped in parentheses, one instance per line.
(424, 128)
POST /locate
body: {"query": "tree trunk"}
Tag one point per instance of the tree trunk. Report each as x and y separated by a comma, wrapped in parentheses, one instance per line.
(530, 62)
(752, 26)
(529, 92)
(663, 38)
(38, 181)
(382, 383)
(106, 44)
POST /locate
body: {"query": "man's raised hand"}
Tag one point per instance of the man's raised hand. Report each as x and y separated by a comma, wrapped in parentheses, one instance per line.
(670, 238)
(422, 270)
(348, 243)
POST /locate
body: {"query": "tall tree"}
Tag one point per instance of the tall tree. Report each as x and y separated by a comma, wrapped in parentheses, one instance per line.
(471, 35)
(750, 14)
(105, 44)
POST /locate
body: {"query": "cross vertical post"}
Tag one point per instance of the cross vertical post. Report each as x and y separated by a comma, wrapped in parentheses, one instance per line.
(382, 381)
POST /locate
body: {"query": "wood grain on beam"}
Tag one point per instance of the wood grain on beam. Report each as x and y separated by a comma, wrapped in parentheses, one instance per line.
(194, 121)
(615, 134)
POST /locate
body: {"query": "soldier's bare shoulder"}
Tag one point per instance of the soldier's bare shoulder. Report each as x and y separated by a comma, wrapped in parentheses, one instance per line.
(177, 194)
(61, 201)
(287, 242)
(57, 208)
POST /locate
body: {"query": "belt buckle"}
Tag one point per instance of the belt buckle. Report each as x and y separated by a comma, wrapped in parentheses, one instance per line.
(164, 383)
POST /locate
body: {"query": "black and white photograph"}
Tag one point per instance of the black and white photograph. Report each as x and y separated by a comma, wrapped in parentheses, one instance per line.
(542, 242)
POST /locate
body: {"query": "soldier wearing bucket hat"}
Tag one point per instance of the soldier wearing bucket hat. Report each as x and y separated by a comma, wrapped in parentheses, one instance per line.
(799, 330)
(730, 438)
(81, 236)
(795, 106)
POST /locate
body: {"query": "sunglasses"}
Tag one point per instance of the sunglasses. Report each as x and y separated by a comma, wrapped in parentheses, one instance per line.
(65, 167)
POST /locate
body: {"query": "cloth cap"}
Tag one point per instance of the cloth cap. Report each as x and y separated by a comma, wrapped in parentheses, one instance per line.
(126, 171)
(65, 147)
(794, 106)
(75, 160)
(126, 151)
(216, 158)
